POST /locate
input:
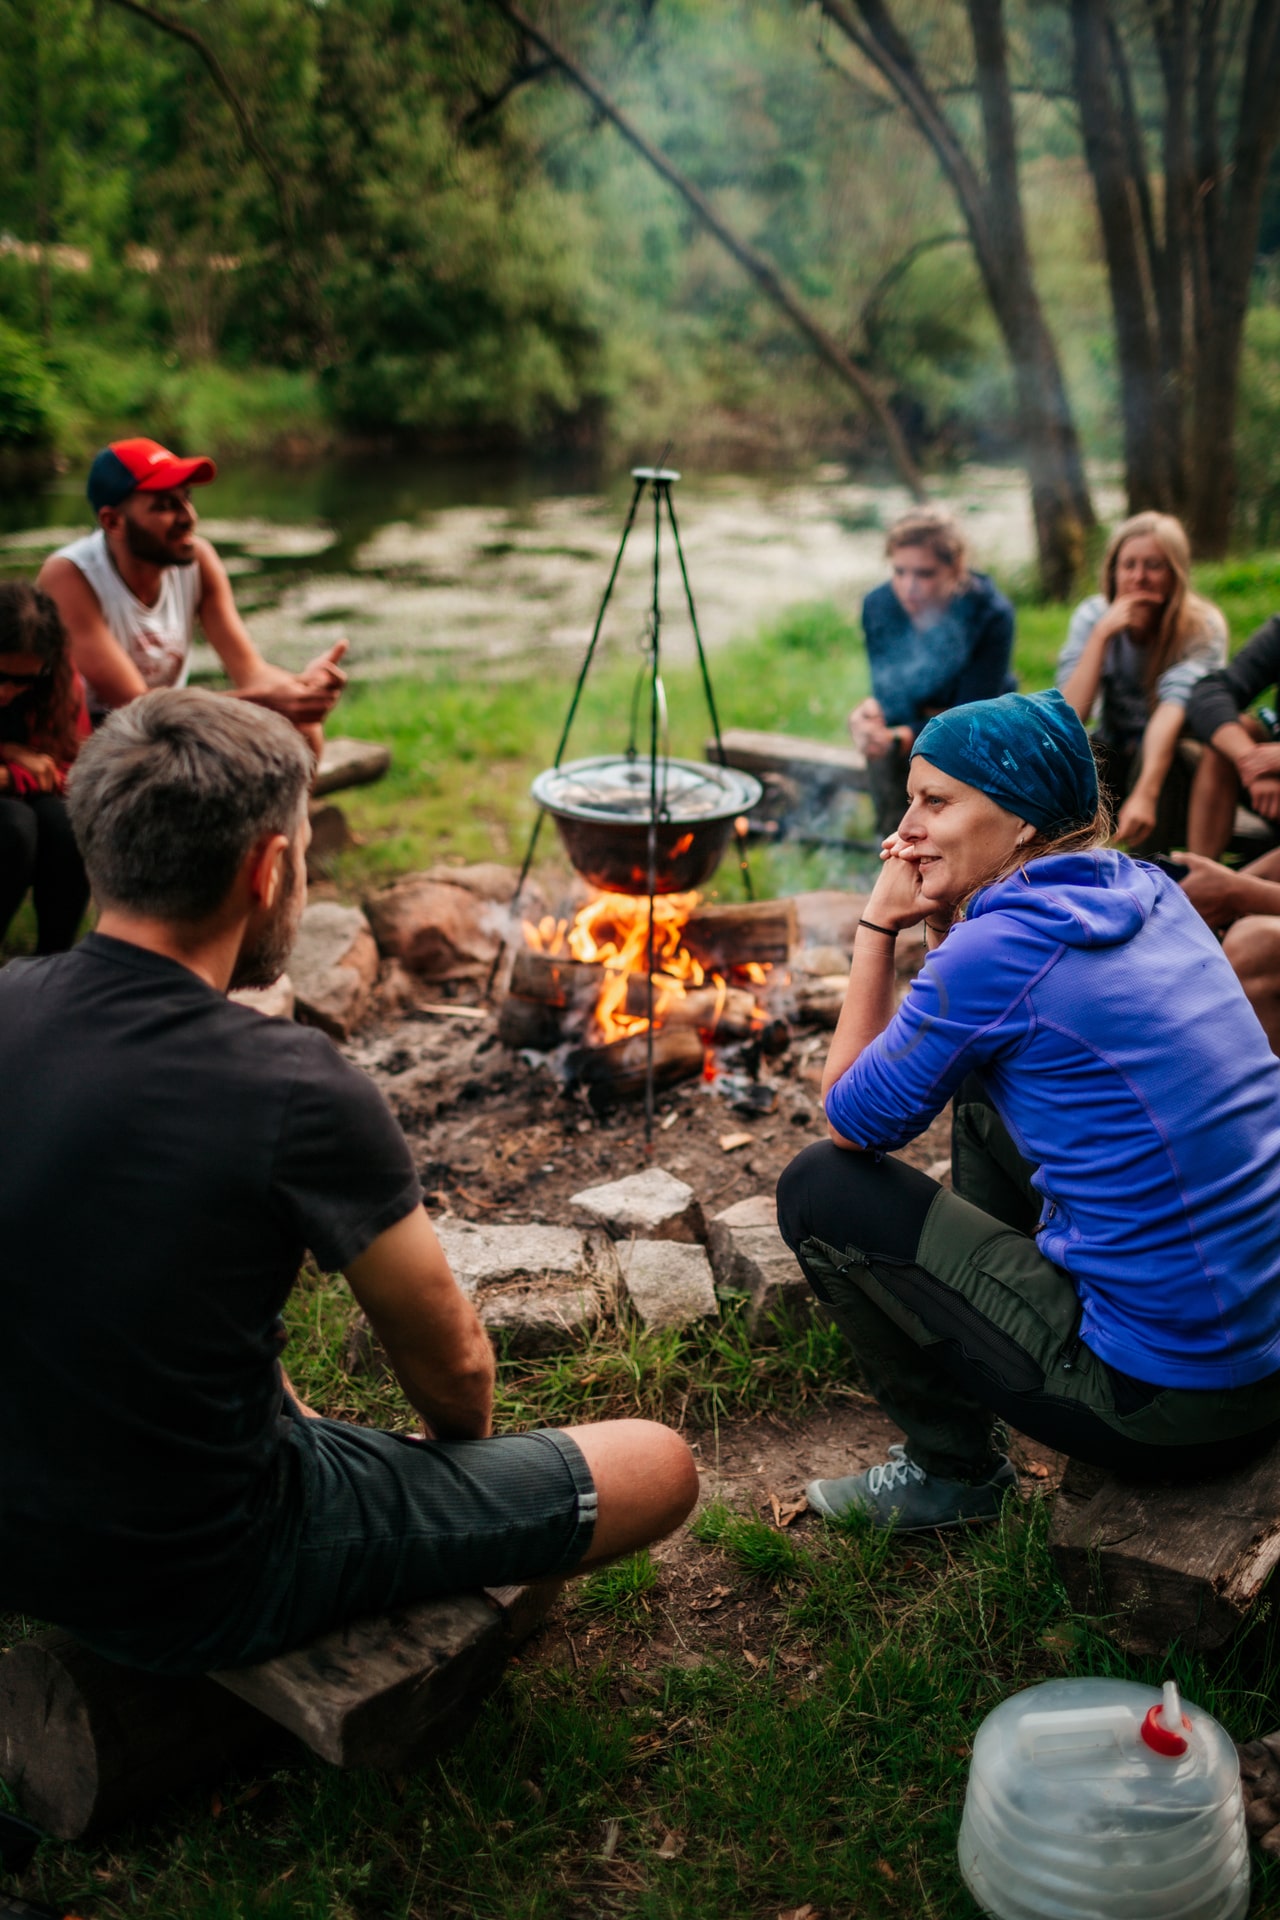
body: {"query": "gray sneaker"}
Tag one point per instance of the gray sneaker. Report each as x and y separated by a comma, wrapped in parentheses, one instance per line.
(901, 1495)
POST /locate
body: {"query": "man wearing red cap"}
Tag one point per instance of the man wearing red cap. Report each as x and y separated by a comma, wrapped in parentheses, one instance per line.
(131, 593)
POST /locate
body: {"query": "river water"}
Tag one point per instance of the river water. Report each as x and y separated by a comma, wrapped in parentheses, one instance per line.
(498, 567)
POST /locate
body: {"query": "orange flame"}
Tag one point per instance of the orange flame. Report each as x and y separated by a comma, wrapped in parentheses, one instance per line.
(612, 931)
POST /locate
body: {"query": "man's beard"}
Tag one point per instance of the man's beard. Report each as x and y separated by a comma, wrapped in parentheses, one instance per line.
(262, 960)
(145, 546)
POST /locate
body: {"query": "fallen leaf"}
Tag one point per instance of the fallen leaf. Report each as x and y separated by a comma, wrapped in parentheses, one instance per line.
(730, 1142)
(807, 1912)
(882, 1866)
(672, 1844)
(753, 1659)
(612, 1828)
(1036, 1469)
(785, 1511)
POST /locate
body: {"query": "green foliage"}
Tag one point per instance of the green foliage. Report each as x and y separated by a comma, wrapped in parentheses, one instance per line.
(1258, 430)
(26, 392)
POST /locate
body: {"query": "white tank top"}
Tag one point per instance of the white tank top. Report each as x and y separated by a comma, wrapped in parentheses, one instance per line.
(157, 639)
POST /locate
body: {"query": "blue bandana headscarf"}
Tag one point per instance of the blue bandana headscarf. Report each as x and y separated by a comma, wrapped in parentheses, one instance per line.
(1027, 751)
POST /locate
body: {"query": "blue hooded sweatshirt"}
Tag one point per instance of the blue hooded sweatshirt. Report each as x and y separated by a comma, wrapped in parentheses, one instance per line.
(1116, 1044)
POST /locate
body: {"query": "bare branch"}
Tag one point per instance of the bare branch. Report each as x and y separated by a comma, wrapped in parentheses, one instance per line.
(762, 271)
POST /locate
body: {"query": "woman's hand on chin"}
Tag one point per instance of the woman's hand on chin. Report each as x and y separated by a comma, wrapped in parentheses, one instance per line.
(896, 900)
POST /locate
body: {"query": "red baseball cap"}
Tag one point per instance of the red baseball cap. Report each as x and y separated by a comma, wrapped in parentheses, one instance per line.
(142, 466)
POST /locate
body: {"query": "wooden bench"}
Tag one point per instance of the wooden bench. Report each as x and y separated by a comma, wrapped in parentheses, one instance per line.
(1166, 1562)
(85, 1743)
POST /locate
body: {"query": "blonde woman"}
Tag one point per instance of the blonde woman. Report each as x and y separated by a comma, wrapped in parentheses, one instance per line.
(938, 634)
(1133, 654)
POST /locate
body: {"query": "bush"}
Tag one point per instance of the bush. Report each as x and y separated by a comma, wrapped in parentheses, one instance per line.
(26, 392)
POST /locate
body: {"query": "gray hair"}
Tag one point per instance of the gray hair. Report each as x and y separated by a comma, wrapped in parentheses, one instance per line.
(173, 790)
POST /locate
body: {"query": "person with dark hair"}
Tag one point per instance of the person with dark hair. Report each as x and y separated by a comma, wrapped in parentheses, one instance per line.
(1104, 1275)
(1132, 656)
(938, 634)
(42, 722)
(163, 1493)
(132, 591)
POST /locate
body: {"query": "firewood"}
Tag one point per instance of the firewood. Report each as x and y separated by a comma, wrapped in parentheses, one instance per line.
(728, 1011)
(1169, 1562)
(763, 931)
(554, 981)
(617, 1071)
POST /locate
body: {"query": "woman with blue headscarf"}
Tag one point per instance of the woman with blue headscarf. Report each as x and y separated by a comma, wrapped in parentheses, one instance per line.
(1105, 1274)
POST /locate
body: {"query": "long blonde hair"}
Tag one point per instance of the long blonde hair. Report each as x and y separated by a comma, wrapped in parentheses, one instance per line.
(1186, 615)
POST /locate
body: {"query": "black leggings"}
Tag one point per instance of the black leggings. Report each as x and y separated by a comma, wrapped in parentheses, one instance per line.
(38, 851)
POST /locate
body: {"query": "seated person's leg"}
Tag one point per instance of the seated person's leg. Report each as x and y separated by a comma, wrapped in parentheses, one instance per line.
(1215, 795)
(18, 839)
(60, 887)
(1252, 946)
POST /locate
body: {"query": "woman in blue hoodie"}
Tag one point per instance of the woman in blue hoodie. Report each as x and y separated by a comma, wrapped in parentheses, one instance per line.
(1106, 1273)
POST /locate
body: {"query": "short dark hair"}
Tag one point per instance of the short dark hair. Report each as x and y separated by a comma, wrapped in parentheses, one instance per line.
(173, 790)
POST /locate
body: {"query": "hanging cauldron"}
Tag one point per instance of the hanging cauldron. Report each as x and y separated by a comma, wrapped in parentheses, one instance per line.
(602, 808)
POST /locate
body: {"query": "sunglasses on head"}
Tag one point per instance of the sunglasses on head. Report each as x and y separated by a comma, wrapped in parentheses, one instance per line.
(25, 679)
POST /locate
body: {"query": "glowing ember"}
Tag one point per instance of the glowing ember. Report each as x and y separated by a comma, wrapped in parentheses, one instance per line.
(612, 931)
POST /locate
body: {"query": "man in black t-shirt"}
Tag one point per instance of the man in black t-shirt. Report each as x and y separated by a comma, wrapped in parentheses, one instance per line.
(169, 1157)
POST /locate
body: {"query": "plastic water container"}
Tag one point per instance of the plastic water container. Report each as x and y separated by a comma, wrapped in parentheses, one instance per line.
(1099, 1800)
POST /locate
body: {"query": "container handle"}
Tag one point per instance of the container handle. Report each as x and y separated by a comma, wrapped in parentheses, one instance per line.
(1060, 1736)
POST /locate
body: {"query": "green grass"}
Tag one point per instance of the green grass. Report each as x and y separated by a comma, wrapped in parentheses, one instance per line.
(828, 1767)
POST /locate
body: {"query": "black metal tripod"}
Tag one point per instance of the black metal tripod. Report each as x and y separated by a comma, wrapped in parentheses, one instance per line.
(660, 481)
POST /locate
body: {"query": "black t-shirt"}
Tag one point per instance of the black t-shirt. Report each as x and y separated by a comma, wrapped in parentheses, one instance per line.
(165, 1159)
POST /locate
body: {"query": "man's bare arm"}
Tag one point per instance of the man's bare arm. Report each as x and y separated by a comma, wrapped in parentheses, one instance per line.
(97, 653)
(304, 698)
(435, 1342)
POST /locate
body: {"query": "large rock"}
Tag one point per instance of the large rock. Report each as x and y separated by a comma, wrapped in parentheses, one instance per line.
(349, 763)
(450, 922)
(750, 1256)
(542, 1287)
(668, 1282)
(652, 1205)
(276, 1001)
(334, 968)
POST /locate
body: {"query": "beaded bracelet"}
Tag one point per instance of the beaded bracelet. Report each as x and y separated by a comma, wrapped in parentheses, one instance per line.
(890, 933)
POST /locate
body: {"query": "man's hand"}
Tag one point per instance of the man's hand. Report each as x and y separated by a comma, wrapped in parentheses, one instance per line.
(305, 698)
(1137, 818)
(42, 767)
(1212, 889)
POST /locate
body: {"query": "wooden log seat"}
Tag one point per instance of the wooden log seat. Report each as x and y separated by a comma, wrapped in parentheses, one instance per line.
(85, 1743)
(1169, 1562)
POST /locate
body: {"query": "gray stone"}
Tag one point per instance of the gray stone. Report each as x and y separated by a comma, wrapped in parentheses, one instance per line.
(349, 763)
(750, 1256)
(668, 1283)
(652, 1205)
(334, 967)
(276, 1001)
(543, 1288)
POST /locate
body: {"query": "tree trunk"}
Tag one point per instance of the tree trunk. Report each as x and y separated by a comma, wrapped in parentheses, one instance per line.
(992, 213)
(1149, 472)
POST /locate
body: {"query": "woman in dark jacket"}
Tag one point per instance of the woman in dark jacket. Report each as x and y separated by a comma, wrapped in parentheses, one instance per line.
(938, 634)
(1105, 1275)
(42, 722)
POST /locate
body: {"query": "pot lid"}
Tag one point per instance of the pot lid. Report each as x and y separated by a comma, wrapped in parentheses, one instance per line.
(618, 788)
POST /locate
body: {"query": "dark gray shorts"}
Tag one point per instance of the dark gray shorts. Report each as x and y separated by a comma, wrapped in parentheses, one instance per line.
(373, 1520)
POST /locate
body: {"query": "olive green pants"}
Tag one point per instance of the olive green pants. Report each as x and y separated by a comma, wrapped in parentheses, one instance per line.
(959, 1322)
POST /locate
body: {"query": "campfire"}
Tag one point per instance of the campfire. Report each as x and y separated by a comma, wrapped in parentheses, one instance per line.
(581, 983)
(612, 932)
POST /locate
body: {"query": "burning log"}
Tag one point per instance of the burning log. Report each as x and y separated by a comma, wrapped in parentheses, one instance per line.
(759, 932)
(728, 1012)
(544, 987)
(616, 1071)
